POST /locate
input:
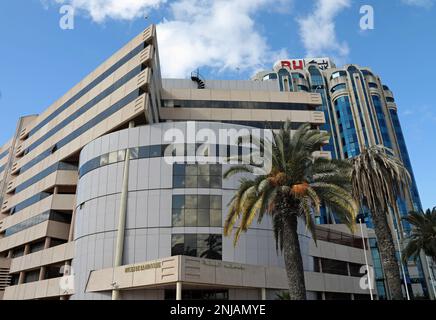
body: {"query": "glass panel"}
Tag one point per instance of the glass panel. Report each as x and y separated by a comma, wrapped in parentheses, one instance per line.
(203, 218)
(134, 153)
(144, 152)
(191, 170)
(121, 155)
(191, 181)
(178, 218)
(210, 246)
(178, 201)
(113, 157)
(215, 169)
(155, 151)
(203, 202)
(178, 182)
(215, 182)
(215, 218)
(215, 202)
(177, 244)
(203, 182)
(104, 160)
(191, 202)
(191, 245)
(190, 217)
(179, 169)
(203, 170)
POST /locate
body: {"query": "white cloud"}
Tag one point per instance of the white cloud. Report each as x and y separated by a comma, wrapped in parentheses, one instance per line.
(318, 30)
(419, 3)
(101, 10)
(221, 34)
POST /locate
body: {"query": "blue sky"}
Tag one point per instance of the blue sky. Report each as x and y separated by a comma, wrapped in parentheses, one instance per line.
(39, 61)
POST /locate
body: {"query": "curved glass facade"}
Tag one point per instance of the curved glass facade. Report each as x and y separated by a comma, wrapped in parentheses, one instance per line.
(405, 157)
(347, 129)
(378, 125)
(353, 70)
(382, 121)
(318, 86)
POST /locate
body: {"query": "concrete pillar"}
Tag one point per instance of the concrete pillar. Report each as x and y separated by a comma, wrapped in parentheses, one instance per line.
(42, 273)
(179, 291)
(263, 293)
(71, 232)
(21, 278)
(22, 274)
(47, 243)
(122, 217)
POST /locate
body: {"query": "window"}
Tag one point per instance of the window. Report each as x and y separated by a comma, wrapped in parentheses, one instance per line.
(18, 252)
(373, 85)
(334, 267)
(38, 246)
(297, 76)
(338, 74)
(367, 73)
(104, 160)
(286, 84)
(31, 276)
(302, 88)
(207, 176)
(197, 211)
(134, 153)
(14, 279)
(270, 76)
(390, 99)
(338, 87)
(90, 86)
(208, 246)
(355, 269)
(113, 157)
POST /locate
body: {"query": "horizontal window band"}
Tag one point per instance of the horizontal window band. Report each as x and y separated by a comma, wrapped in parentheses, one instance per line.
(3, 154)
(40, 218)
(94, 83)
(59, 166)
(89, 125)
(153, 151)
(89, 105)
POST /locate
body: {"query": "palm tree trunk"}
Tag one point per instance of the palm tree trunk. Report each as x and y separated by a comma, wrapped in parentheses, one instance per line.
(293, 259)
(388, 258)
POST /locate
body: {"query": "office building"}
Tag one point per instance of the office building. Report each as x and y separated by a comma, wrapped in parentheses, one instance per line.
(360, 111)
(91, 170)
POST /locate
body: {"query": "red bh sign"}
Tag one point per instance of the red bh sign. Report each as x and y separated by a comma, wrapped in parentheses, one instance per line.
(293, 64)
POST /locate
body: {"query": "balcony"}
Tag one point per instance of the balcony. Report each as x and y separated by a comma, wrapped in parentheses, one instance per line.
(50, 288)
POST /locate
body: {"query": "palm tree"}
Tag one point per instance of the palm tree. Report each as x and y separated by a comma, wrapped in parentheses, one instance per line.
(423, 236)
(296, 186)
(379, 179)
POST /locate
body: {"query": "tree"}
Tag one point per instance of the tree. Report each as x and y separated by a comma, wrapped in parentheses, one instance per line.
(423, 235)
(295, 188)
(378, 180)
